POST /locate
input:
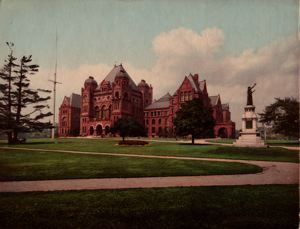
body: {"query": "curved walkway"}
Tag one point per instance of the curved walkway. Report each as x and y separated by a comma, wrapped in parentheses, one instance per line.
(273, 173)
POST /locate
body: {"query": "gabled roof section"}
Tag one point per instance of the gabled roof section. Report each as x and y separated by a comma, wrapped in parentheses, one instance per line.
(163, 102)
(214, 99)
(66, 101)
(119, 70)
(193, 83)
(75, 100)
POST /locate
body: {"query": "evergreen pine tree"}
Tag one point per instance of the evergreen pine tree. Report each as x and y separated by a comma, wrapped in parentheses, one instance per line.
(25, 98)
(22, 109)
(6, 99)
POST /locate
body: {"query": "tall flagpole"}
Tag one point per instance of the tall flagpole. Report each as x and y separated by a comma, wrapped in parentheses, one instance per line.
(54, 90)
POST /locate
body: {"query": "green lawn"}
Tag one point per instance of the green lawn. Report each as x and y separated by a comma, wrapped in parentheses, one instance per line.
(269, 142)
(29, 165)
(273, 206)
(167, 149)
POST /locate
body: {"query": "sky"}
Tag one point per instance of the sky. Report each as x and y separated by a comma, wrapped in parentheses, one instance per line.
(231, 44)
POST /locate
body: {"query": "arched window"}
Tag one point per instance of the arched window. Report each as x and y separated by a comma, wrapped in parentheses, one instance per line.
(153, 121)
(103, 112)
(159, 121)
(97, 112)
(117, 94)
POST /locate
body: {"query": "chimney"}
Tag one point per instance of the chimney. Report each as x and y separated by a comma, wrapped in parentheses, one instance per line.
(196, 77)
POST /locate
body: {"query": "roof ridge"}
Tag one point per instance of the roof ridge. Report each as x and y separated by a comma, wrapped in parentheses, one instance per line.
(113, 73)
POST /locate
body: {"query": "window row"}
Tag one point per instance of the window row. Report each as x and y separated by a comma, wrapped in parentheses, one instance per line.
(186, 96)
(101, 98)
(156, 113)
(153, 122)
(64, 131)
(103, 113)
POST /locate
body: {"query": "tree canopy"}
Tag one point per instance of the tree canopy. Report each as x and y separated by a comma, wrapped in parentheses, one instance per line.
(194, 119)
(21, 107)
(283, 116)
(126, 126)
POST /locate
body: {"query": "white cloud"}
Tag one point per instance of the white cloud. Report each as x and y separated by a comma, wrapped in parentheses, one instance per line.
(184, 42)
(180, 51)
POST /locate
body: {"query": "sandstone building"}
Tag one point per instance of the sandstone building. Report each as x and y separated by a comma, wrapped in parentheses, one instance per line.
(160, 114)
(118, 96)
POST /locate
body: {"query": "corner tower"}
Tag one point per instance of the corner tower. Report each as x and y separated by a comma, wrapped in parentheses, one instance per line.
(147, 93)
(87, 93)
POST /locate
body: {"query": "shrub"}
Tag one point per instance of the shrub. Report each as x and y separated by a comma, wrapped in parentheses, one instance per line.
(133, 142)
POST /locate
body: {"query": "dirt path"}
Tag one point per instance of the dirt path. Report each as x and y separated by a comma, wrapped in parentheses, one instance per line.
(206, 142)
(273, 173)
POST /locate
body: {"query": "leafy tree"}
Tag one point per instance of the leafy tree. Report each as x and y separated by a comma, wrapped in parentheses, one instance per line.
(21, 107)
(283, 116)
(194, 119)
(128, 127)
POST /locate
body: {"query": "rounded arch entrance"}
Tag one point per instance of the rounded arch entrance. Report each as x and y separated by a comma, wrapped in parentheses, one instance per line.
(99, 129)
(222, 132)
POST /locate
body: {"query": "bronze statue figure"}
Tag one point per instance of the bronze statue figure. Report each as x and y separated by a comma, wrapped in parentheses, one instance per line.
(249, 95)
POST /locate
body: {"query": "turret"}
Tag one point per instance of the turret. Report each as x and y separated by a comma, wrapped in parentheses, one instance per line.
(90, 83)
(87, 96)
(147, 92)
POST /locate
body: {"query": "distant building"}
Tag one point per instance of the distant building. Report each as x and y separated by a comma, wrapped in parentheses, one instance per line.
(160, 114)
(69, 116)
(118, 96)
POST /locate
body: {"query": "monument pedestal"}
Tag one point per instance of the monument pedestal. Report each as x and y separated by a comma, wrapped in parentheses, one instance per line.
(249, 136)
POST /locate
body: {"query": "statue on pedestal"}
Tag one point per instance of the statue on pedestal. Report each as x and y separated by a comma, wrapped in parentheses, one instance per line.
(249, 95)
(249, 137)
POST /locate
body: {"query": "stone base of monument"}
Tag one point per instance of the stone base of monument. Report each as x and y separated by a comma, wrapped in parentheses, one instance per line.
(249, 135)
(249, 140)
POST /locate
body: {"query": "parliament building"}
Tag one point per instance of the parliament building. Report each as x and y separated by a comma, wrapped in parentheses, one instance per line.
(94, 111)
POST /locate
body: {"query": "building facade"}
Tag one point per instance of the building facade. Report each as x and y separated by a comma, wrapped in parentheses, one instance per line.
(114, 97)
(160, 114)
(118, 96)
(69, 116)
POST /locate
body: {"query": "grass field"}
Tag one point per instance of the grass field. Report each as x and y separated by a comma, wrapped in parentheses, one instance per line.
(268, 142)
(167, 149)
(28, 165)
(272, 206)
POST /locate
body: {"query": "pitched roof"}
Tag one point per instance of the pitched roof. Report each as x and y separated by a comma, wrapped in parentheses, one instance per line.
(119, 70)
(75, 100)
(214, 99)
(163, 102)
(66, 101)
(193, 83)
